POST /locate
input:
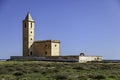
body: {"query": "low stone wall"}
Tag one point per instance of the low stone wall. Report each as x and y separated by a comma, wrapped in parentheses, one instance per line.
(47, 58)
(81, 59)
(26, 58)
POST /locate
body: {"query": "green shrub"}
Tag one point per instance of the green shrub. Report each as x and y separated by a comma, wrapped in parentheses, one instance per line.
(18, 73)
(83, 77)
(81, 67)
(99, 77)
(112, 76)
(60, 77)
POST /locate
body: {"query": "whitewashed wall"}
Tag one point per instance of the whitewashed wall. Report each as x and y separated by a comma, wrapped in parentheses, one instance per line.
(83, 59)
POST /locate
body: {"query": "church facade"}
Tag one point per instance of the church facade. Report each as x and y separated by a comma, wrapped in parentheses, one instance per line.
(37, 48)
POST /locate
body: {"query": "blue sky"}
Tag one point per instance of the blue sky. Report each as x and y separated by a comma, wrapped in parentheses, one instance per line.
(89, 26)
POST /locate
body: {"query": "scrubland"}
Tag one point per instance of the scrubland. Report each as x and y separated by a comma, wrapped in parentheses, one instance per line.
(40, 70)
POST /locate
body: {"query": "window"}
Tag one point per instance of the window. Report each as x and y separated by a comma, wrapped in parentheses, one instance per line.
(24, 25)
(82, 54)
(46, 45)
(31, 38)
(31, 24)
(31, 53)
(31, 31)
(46, 53)
(55, 45)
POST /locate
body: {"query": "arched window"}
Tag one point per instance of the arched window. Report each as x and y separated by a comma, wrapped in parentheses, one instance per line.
(82, 54)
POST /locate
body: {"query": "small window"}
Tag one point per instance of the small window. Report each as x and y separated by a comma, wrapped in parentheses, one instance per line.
(98, 58)
(46, 53)
(31, 38)
(55, 45)
(82, 54)
(31, 53)
(31, 24)
(24, 25)
(31, 31)
(46, 45)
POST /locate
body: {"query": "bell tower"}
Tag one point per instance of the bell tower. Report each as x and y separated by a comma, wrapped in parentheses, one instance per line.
(28, 35)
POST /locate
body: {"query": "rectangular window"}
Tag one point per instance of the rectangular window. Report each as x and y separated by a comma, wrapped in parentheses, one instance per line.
(25, 25)
(45, 52)
(31, 24)
(31, 53)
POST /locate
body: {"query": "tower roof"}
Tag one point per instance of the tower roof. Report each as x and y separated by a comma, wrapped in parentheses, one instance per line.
(28, 17)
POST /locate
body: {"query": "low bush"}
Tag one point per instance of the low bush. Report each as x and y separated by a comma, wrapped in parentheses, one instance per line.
(83, 77)
(100, 77)
(60, 77)
(18, 73)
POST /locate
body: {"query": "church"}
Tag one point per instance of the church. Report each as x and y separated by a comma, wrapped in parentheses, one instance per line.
(37, 48)
(45, 50)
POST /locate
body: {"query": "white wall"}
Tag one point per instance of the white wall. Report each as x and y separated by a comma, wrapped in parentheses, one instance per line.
(89, 58)
(55, 49)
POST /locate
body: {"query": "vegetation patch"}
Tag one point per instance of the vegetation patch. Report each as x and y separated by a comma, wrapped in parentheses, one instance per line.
(40, 70)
